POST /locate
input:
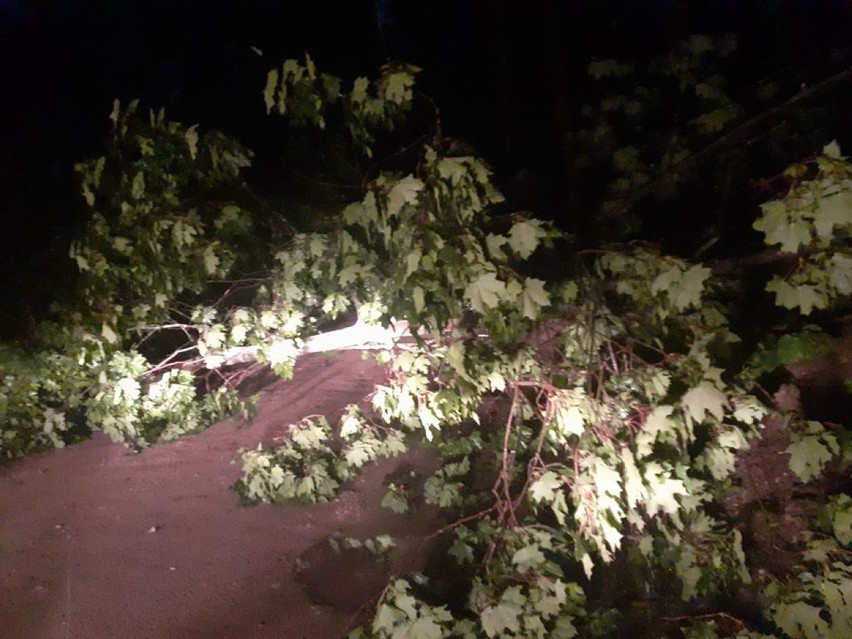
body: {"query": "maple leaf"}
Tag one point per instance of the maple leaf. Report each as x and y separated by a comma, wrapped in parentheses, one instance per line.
(405, 191)
(269, 90)
(361, 213)
(567, 413)
(634, 486)
(534, 297)
(397, 86)
(800, 619)
(282, 351)
(831, 211)
(412, 261)
(502, 616)
(691, 287)
(424, 628)
(779, 228)
(810, 455)
(704, 398)
(545, 487)
(494, 244)
(527, 558)
(832, 150)
(658, 421)
(419, 299)
(607, 480)
(840, 273)
(662, 489)
(359, 90)
(485, 292)
(211, 260)
(524, 237)
(453, 170)
(805, 297)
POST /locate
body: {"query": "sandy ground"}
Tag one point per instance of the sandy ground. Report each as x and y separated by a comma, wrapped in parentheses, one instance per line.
(99, 543)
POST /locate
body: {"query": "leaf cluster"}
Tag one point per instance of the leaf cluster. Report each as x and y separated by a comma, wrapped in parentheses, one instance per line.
(307, 468)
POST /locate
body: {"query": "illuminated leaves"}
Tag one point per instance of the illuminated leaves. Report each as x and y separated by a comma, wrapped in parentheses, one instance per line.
(305, 469)
(501, 617)
(570, 411)
(817, 602)
(780, 227)
(832, 212)
(404, 191)
(399, 615)
(702, 400)
(598, 421)
(816, 214)
(545, 487)
(811, 451)
(805, 297)
(683, 287)
(281, 352)
(525, 236)
(840, 273)
(485, 292)
(398, 84)
(534, 298)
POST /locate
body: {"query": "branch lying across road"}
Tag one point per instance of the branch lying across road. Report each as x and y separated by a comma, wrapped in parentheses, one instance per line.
(359, 336)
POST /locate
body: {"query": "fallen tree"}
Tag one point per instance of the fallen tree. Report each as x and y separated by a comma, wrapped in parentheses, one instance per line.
(625, 401)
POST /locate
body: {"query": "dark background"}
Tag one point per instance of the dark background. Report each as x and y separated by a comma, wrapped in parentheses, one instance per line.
(510, 77)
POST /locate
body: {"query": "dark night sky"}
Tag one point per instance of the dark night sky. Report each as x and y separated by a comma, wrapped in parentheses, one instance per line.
(498, 69)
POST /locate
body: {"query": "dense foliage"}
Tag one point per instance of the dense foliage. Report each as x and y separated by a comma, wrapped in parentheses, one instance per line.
(625, 395)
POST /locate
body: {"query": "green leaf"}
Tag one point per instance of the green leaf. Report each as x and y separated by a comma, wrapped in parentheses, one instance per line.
(683, 288)
(494, 243)
(566, 407)
(840, 273)
(691, 287)
(801, 620)
(805, 297)
(663, 489)
(833, 211)
(423, 628)
(397, 86)
(842, 526)
(717, 119)
(485, 292)
(809, 456)
(418, 297)
(504, 616)
(528, 558)
(269, 90)
(524, 237)
(109, 334)
(838, 599)
(634, 486)
(703, 399)
(395, 500)
(211, 260)
(191, 137)
(607, 480)
(779, 228)
(545, 487)
(689, 573)
(832, 150)
(405, 191)
(534, 297)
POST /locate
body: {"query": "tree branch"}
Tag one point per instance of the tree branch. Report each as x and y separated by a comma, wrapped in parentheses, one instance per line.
(739, 134)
